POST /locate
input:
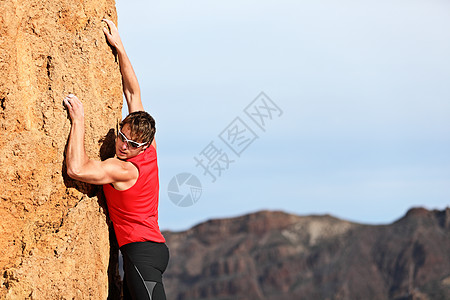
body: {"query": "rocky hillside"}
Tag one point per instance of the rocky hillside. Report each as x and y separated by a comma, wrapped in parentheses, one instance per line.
(54, 237)
(275, 255)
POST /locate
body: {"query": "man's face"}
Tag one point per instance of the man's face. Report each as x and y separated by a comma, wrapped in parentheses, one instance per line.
(123, 149)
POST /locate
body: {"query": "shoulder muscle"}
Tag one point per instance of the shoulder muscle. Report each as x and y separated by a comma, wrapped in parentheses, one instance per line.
(111, 170)
(119, 171)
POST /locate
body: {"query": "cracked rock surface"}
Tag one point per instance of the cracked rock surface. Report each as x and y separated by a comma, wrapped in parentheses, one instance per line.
(54, 234)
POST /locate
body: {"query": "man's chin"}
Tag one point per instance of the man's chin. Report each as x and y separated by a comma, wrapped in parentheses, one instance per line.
(121, 155)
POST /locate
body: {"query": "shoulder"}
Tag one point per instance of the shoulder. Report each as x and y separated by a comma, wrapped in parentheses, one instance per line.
(148, 152)
(120, 167)
(123, 174)
(115, 162)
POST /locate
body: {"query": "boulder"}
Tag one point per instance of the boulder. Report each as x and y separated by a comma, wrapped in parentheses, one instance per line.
(54, 233)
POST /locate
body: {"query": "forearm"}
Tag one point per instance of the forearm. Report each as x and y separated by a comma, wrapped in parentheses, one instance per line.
(129, 79)
(80, 167)
(130, 83)
(76, 156)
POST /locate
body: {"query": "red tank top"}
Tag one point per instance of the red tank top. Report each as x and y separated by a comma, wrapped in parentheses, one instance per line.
(134, 212)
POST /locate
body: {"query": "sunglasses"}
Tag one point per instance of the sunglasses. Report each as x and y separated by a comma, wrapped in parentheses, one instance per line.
(130, 143)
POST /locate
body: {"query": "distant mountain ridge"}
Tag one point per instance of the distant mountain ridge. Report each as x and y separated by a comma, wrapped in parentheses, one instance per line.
(276, 255)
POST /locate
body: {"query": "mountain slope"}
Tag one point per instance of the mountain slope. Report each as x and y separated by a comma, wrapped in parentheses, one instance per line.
(275, 255)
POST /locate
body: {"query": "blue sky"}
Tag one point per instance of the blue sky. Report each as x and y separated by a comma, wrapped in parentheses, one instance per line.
(363, 87)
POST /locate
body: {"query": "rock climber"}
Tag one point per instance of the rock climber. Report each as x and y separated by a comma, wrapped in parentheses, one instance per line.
(130, 182)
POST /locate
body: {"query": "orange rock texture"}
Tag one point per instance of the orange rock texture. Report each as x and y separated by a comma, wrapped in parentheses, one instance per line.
(54, 234)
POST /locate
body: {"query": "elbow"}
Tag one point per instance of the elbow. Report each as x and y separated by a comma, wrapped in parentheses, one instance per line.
(73, 172)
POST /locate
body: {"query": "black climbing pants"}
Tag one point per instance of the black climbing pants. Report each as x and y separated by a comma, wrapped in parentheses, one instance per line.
(143, 265)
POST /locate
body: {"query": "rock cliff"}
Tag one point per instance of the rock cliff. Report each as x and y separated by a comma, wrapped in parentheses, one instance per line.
(275, 255)
(54, 236)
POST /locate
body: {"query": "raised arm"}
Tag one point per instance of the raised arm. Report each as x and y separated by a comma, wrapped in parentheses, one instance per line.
(130, 83)
(79, 166)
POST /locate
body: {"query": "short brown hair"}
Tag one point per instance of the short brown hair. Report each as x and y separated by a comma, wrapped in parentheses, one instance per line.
(142, 126)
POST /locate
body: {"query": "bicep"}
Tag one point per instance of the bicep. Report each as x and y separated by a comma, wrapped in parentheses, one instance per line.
(134, 102)
(104, 172)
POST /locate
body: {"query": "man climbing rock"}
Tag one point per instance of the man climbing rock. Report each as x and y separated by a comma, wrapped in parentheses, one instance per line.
(130, 182)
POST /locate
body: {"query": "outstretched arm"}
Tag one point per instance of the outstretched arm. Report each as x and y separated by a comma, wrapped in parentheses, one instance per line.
(79, 166)
(130, 83)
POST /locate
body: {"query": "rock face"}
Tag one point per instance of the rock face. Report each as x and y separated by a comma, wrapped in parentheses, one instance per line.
(54, 236)
(274, 255)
